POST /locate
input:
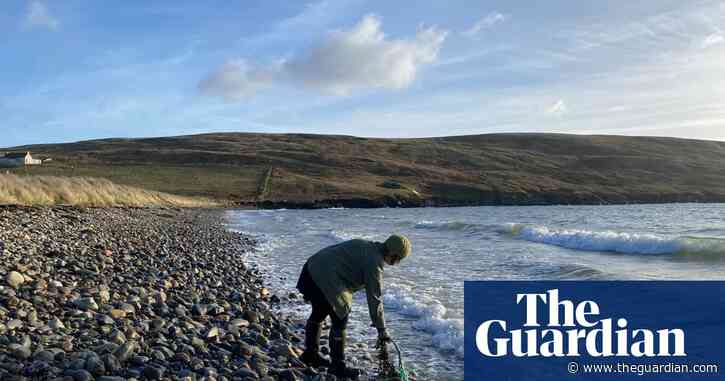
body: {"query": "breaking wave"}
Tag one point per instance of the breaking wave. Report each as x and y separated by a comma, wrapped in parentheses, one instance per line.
(446, 225)
(429, 317)
(341, 236)
(452, 226)
(617, 242)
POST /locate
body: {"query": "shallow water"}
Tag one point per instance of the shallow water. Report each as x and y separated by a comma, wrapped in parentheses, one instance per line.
(424, 295)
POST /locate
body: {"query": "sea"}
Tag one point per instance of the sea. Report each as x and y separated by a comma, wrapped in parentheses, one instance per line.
(423, 296)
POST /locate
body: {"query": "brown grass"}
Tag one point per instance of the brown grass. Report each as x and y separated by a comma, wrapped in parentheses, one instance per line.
(85, 191)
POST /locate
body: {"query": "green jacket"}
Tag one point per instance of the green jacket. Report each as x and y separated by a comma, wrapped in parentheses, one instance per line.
(343, 269)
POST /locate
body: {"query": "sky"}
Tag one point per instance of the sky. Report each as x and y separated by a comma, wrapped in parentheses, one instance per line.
(79, 69)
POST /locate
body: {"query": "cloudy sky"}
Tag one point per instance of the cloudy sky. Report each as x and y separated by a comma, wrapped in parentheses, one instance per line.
(81, 69)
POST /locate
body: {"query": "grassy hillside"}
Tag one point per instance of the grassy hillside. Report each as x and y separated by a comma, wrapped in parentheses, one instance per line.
(481, 169)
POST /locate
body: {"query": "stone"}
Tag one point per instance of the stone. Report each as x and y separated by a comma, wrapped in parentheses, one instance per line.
(37, 369)
(286, 350)
(118, 313)
(125, 351)
(238, 323)
(174, 301)
(209, 372)
(87, 303)
(154, 372)
(56, 324)
(199, 309)
(19, 351)
(289, 375)
(44, 356)
(197, 343)
(104, 296)
(95, 366)
(105, 319)
(14, 324)
(14, 279)
(245, 373)
(251, 316)
(112, 363)
(213, 332)
(79, 375)
(117, 337)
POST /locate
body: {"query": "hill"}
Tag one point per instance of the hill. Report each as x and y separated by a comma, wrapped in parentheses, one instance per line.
(300, 170)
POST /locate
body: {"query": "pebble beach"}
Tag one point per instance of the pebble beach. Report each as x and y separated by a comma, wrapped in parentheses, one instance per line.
(137, 294)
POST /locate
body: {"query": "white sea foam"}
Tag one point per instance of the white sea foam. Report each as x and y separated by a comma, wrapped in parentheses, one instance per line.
(453, 226)
(430, 317)
(618, 242)
(341, 235)
(443, 225)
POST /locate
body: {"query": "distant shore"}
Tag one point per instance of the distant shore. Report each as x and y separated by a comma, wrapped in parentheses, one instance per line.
(320, 171)
(546, 200)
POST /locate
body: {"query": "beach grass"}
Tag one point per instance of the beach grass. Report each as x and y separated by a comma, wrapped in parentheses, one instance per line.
(86, 191)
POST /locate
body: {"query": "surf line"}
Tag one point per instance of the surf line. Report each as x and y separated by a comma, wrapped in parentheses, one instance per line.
(494, 340)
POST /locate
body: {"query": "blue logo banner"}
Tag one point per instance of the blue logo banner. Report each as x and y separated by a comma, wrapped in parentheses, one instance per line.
(594, 330)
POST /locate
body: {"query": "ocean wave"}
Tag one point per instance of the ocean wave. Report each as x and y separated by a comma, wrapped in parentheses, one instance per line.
(578, 272)
(450, 226)
(430, 317)
(617, 242)
(341, 236)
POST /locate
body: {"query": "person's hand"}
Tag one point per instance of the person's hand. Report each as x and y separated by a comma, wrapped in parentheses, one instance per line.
(383, 338)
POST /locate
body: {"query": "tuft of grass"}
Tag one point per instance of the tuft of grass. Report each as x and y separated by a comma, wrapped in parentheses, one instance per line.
(85, 191)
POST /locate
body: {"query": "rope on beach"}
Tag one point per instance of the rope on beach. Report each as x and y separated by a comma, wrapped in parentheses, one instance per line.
(399, 373)
(402, 372)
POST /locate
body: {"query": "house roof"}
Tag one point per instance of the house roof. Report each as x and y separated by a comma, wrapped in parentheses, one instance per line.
(15, 155)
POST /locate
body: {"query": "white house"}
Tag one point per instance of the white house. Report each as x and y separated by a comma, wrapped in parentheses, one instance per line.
(18, 159)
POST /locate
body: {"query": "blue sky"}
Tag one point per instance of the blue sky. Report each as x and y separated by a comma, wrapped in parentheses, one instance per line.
(81, 69)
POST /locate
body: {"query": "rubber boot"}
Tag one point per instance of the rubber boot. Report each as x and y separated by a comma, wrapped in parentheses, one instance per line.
(311, 356)
(337, 353)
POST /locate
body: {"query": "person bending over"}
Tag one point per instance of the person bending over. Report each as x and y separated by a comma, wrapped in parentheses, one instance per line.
(328, 280)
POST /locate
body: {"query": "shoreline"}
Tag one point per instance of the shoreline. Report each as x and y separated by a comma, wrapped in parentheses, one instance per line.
(398, 203)
(136, 293)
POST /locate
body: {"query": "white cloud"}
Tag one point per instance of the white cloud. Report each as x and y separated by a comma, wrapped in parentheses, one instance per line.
(558, 108)
(347, 60)
(712, 39)
(38, 16)
(486, 22)
(363, 57)
(236, 80)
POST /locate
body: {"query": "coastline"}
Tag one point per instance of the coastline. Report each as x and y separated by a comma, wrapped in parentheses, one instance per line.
(136, 293)
(392, 202)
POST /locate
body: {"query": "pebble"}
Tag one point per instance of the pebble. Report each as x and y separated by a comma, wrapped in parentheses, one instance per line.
(14, 324)
(154, 372)
(117, 313)
(56, 323)
(114, 294)
(86, 303)
(125, 351)
(19, 351)
(15, 279)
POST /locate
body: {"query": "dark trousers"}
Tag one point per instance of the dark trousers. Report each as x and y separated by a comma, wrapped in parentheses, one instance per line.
(321, 308)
